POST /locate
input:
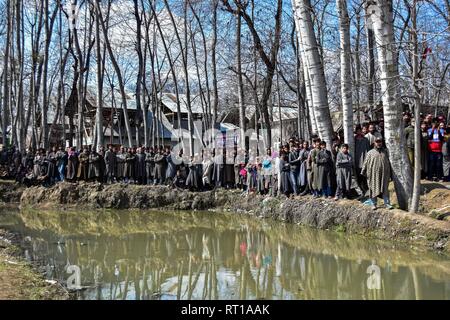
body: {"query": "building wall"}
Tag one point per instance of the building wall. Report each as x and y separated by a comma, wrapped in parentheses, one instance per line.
(289, 130)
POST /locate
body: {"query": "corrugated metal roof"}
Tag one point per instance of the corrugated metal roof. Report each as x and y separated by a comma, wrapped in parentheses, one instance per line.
(170, 101)
(228, 126)
(287, 113)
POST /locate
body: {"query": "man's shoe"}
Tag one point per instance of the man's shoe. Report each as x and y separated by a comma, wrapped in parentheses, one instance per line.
(389, 207)
(374, 207)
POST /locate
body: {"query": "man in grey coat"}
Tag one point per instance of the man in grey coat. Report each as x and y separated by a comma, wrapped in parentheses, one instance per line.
(94, 166)
(110, 164)
(141, 173)
(377, 169)
(160, 167)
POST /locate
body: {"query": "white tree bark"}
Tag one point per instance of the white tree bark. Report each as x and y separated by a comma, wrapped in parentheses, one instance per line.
(316, 72)
(414, 207)
(240, 82)
(309, 100)
(45, 99)
(6, 72)
(380, 14)
(346, 79)
(99, 114)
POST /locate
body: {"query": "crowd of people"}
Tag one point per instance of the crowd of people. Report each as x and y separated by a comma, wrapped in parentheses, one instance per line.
(297, 168)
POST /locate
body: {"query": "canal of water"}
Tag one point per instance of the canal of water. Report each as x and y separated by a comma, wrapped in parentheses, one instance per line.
(205, 255)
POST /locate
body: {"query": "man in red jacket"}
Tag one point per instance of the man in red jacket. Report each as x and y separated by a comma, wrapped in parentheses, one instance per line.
(435, 142)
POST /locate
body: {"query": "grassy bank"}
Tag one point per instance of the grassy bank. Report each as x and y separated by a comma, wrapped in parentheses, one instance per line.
(19, 280)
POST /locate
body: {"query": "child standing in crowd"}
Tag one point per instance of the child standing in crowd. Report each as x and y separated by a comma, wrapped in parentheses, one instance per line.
(314, 178)
(267, 172)
(242, 177)
(251, 178)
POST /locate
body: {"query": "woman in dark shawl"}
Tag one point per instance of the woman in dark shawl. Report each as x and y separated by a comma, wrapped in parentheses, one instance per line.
(72, 165)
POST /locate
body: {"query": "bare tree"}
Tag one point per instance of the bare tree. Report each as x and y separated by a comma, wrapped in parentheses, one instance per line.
(319, 92)
(215, 105)
(5, 71)
(269, 59)
(346, 79)
(184, 49)
(381, 18)
(99, 74)
(118, 73)
(240, 81)
(414, 208)
(139, 108)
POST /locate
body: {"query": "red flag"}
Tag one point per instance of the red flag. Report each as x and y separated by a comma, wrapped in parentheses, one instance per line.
(426, 52)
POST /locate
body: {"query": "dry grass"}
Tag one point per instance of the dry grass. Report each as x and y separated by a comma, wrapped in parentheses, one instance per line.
(19, 281)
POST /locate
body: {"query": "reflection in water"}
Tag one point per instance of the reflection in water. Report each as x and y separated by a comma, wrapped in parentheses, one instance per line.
(151, 255)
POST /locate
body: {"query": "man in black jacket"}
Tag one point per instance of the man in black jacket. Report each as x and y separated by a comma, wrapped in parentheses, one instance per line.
(110, 164)
(294, 162)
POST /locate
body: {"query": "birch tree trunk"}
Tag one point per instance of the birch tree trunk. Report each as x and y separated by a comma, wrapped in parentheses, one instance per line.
(414, 208)
(61, 93)
(382, 22)
(146, 98)
(309, 98)
(215, 105)
(21, 134)
(5, 72)
(357, 58)
(316, 72)
(240, 82)
(346, 79)
(99, 114)
(301, 89)
(45, 100)
(139, 108)
(370, 86)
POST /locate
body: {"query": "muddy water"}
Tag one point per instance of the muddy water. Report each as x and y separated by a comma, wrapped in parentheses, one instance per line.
(194, 255)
